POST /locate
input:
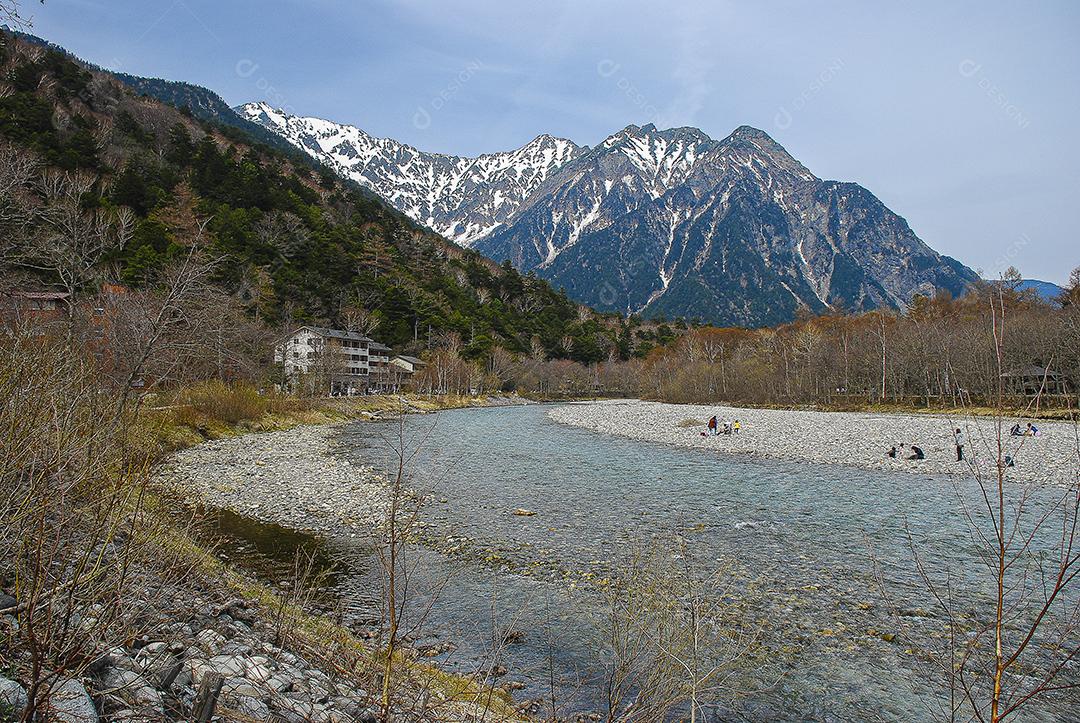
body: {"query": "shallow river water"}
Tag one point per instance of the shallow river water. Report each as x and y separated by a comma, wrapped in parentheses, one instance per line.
(805, 544)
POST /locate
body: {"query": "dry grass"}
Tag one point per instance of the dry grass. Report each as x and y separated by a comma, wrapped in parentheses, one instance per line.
(214, 410)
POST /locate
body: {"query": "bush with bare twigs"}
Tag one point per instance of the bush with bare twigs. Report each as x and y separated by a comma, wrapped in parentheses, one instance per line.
(1012, 621)
(77, 540)
(673, 636)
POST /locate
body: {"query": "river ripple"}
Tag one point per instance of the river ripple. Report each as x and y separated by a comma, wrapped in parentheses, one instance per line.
(805, 540)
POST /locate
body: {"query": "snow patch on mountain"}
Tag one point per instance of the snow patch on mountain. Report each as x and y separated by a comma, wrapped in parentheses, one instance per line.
(459, 197)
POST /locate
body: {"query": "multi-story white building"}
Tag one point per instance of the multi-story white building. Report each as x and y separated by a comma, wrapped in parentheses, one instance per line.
(333, 360)
(408, 364)
(379, 366)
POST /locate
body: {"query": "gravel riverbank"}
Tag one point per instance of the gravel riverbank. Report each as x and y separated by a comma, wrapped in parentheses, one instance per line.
(293, 479)
(851, 438)
(289, 478)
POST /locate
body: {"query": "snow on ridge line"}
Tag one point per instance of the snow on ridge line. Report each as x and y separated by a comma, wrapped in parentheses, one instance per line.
(465, 198)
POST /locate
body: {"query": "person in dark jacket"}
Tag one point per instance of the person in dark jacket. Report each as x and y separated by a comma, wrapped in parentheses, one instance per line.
(712, 425)
(916, 453)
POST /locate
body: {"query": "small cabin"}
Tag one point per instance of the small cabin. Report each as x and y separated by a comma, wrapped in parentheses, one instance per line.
(1033, 380)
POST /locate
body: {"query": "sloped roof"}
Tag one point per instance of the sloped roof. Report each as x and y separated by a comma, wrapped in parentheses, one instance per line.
(335, 333)
(1031, 371)
(41, 295)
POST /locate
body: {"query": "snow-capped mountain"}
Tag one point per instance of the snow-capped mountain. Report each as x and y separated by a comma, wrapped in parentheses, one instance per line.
(460, 198)
(672, 222)
(735, 231)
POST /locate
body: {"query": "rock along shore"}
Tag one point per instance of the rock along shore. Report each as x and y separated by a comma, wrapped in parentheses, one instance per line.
(850, 438)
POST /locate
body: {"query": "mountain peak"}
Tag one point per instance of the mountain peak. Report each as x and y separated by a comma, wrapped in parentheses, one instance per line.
(750, 133)
(687, 134)
(546, 140)
(756, 142)
(462, 198)
(630, 131)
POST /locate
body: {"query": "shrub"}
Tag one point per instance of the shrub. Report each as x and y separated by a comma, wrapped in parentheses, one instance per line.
(229, 403)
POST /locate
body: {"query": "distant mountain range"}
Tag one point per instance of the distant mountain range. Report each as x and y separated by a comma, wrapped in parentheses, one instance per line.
(1047, 291)
(464, 199)
(651, 221)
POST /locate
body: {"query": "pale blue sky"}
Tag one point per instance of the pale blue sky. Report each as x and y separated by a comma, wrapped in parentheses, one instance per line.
(960, 116)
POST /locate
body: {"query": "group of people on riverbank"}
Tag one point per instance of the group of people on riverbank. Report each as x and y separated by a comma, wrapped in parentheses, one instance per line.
(917, 453)
(1030, 431)
(719, 426)
(960, 444)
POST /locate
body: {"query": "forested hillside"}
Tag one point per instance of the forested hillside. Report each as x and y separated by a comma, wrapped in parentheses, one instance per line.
(202, 103)
(290, 243)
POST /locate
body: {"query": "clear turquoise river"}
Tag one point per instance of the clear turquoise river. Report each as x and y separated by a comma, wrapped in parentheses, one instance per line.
(807, 542)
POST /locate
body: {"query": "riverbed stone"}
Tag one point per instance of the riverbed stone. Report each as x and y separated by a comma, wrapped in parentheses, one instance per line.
(132, 688)
(210, 640)
(292, 710)
(13, 699)
(335, 497)
(258, 669)
(70, 703)
(257, 476)
(229, 665)
(252, 707)
(241, 688)
(278, 684)
(851, 438)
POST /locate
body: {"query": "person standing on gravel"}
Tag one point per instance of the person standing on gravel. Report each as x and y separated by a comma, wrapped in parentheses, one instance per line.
(958, 438)
(712, 425)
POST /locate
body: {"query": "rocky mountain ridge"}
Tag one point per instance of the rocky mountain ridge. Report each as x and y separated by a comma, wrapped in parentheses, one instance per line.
(660, 222)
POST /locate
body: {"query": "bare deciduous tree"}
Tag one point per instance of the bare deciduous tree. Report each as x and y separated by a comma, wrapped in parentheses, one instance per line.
(147, 335)
(10, 13)
(284, 232)
(68, 241)
(673, 639)
(997, 659)
(17, 170)
(77, 540)
(357, 319)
